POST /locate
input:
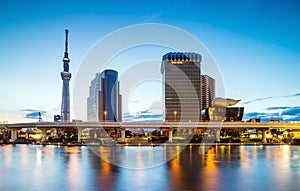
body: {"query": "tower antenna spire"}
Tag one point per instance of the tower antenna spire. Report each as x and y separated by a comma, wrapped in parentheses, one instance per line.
(66, 45)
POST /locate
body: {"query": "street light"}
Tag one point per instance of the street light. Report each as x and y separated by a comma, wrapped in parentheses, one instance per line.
(105, 113)
(175, 113)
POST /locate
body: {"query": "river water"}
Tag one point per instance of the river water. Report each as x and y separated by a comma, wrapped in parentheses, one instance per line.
(35, 167)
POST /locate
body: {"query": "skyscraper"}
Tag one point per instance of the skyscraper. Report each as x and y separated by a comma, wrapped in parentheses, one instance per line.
(207, 91)
(104, 101)
(181, 86)
(66, 76)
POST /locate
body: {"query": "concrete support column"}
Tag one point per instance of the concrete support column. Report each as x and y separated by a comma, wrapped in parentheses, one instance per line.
(218, 136)
(264, 136)
(13, 135)
(184, 132)
(44, 134)
(123, 135)
(27, 135)
(170, 135)
(79, 129)
(100, 133)
(161, 132)
(95, 134)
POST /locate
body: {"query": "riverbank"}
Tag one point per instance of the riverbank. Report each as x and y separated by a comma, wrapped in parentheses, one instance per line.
(147, 144)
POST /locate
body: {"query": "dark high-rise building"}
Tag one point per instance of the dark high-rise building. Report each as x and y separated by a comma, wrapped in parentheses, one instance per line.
(181, 86)
(56, 118)
(207, 91)
(104, 102)
(66, 76)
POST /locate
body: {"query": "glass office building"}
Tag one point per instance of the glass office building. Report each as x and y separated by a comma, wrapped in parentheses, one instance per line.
(181, 86)
(104, 101)
(207, 91)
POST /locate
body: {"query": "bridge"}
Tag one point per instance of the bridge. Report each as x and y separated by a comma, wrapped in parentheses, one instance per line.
(170, 126)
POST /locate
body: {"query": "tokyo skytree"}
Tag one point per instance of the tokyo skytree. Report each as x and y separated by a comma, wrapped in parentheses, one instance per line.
(66, 76)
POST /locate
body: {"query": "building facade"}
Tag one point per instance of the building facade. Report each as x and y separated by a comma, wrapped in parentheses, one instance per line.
(104, 102)
(66, 77)
(207, 91)
(224, 113)
(181, 76)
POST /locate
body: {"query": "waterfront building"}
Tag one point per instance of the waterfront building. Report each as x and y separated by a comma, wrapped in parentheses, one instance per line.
(234, 113)
(222, 110)
(66, 77)
(207, 91)
(104, 102)
(224, 113)
(181, 76)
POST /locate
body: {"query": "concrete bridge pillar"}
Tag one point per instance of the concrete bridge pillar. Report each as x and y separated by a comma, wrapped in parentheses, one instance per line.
(123, 135)
(182, 132)
(95, 134)
(170, 135)
(79, 129)
(13, 135)
(185, 132)
(264, 136)
(44, 134)
(218, 136)
(161, 132)
(27, 135)
(190, 131)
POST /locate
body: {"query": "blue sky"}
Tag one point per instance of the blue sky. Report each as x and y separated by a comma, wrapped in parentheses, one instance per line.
(255, 43)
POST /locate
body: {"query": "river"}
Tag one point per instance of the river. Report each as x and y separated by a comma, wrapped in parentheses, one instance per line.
(36, 167)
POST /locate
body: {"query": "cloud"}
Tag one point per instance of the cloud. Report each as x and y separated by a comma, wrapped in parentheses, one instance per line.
(258, 99)
(33, 114)
(277, 108)
(264, 117)
(293, 111)
(143, 116)
(28, 110)
(256, 114)
(286, 114)
(271, 97)
(293, 118)
(294, 95)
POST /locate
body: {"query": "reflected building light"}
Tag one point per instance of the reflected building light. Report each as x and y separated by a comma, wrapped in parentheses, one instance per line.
(210, 160)
(73, 168)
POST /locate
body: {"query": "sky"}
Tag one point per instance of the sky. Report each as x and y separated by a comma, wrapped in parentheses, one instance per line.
(256, 45)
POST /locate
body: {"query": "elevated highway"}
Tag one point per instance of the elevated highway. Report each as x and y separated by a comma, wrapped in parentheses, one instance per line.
(129, 125)
(122, 126)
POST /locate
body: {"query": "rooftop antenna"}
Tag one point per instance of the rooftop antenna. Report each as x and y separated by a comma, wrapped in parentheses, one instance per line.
(66, 59)
(66, 45)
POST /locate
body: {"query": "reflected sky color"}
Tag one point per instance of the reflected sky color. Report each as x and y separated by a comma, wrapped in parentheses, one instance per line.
(25, 167)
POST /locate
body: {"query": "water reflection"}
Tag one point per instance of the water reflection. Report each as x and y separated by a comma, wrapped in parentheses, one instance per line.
(25, 167)
(136, 157)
